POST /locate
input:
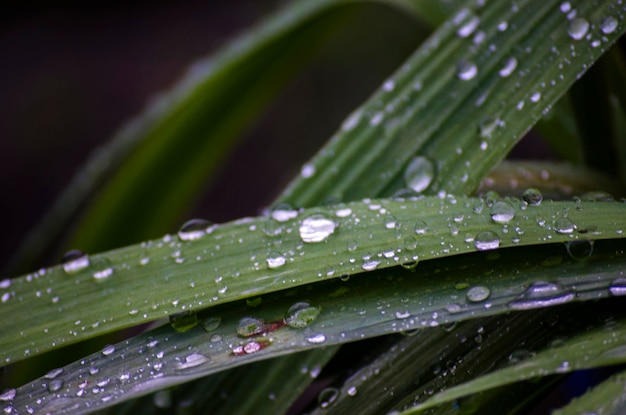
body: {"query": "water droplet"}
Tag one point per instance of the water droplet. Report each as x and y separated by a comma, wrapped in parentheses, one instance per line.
(301, 314)
(564, 225)
(316, 228)
(316, 338)
(391, 222)
(55, 385)
(8, 395)
(108, 350)
(370, 265)
(389, 85)
(184, 321)
(532, 196)
(327, 397)
(580, 250)
(211, 324)
(275, 260)
(307, 171)
(343, 212)
(283, 212)
(597, 196)
(401, 315)
(502, 212)
(75, 261)
(420, 227)
(486, 240)
(352, 391)
(578, 28)
(466, 70)
(94, 370)
(542, 294)
(419, 173)
(410, 243)
(192, 360)
(53, 373)
(608, 25)
(101, 268)
(488, 125)
(565, 7)
(468, 27)
(508, 67)
(352, 121)
(618, 286)
(249, 326)
(5, 283)
(193, 229)
(478, 293)
(535, 96)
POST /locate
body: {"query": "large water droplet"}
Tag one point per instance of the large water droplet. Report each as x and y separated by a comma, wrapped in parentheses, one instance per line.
(53, 373)
(75, 261)
(193, 229)
(316, 228)
(579, 250)
(284, 212)
(478, 293)
(275, 260)
(108, 350)
(327, 397)
(466, 70)
(618, 286)
(5, 283)
(608, 25)
(564, 225)
(468, 27)
(542, 294)
(420, 227)
(192, 360)
(211, 324)
(301, 314)
(508, 67)
(8, 395)
(419, 173)
(101, 268)
(370, 265)
(250, 326)
(184, 321)
(502, 212)
(578, 28)
(55, 385)
(486, 240)
(316, 338)
(532, 196)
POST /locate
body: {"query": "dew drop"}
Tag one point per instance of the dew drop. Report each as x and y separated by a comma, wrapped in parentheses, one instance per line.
(327, 397)
(401, 315)
(565, 7)
(535, 96)
(542, 294)
(8, 395)
(468, 27)
(5, 283)
(618, 286)
(486, 240)
(420, 227)
(193, 229)
(192, 360)
(53, 373)
(275, 260)
(75, 261)
(502, 212)
(301, 314)
(580, 250)
(419, 173)
(410, 243)
(308, 170)
(608, 25)
(250, 326)
(316, 338)
(532, 196)
(508, 67)
(316, 228)
(478, 293)
(283, 212)
(108, 350)
(352, 391)
(184, 321)
(101, 268)
(488, 125)
(466, 70)
(564, 226)
(391, 222)
(211, 324)
(55, 385)
(578, 28)
(370, 265)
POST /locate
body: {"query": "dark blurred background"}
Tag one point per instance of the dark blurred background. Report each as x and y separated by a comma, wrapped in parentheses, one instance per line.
(72, 74)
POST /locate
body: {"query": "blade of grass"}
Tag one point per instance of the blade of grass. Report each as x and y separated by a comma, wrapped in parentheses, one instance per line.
(608, 398)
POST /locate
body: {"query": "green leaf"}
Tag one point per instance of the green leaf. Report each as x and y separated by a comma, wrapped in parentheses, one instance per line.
(608, 398)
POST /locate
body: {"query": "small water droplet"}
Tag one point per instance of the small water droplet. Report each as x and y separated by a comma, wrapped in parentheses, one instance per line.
(542, 294)
(55, 385)
(193, 229)
(535, 96)
(532, 196)
(343, 212)
(8, 395)
(401, 315)
(608, 25)
(250, 326)
(301, 314)
(316, 228)
(419, 173)
(420, 227)
(192, 360)
(565, 7)
(101, 268)
(618, 286)
(283, 212)
(5, 283)
(466, 70)
(486, 240)
(468, 27)
(508, 67)
(327, 397)
(211, 324)
(53, 373)
(370, 265)
(94, 370)
(578, 28)
(75, 261)
(502, 212)
(307, 171)
(275, 260)
(478, 293)
(108, 350)
(389, 85)
(390, 222)
(352, 391)
(184, 321)
(316, 338)
(564, 225)
(488, 125)
(580, 250)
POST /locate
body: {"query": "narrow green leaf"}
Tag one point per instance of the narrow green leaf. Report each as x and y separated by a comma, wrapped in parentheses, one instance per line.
(608, 398)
